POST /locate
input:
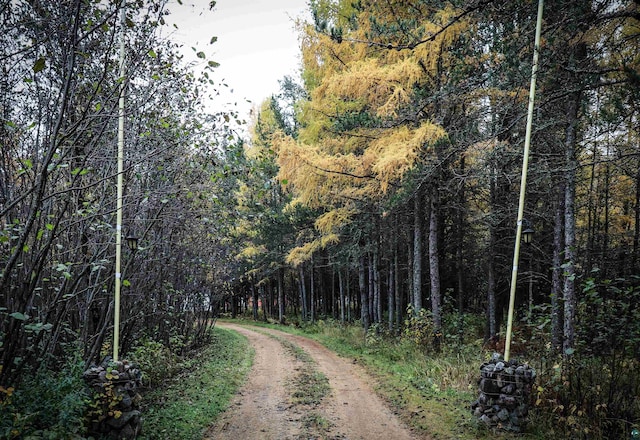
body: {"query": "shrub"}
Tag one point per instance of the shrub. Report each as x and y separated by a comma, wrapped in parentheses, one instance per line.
(591, 398)
(156, 361)
(610, 312)
(595, 392)
(460, 329)
(418, 327)
(46, 404)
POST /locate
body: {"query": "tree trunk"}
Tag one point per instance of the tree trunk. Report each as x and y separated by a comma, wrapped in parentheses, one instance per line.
(491, 264)
(348, 298)
(396, 282)
(303, 292)
(459, 255)
(234, 309)
(569, 294)
(364, 297)
(312, 293)
(391, 296)
(342, 302)
(417, 254)
(409, 237)
(377, 286)
(263, 295)
(280, 297)
(372, 291)
(434, 272)
(636, 229)
(556, 276)
(605, 236)
(592, 212)
(334, 312)
(254, 301)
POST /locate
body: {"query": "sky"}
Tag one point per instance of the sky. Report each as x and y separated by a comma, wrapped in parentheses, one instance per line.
(257, 43)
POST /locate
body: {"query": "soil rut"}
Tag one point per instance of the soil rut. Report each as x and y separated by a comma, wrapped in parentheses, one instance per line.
(263, 409)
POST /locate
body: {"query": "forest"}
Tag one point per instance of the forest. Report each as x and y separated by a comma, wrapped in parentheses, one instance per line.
(378, 188)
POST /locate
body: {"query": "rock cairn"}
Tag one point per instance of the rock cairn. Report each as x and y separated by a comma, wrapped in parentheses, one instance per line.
(115, 412)
(505, 392)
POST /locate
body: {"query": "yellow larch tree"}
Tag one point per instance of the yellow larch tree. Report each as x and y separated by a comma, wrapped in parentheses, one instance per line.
(364, 127)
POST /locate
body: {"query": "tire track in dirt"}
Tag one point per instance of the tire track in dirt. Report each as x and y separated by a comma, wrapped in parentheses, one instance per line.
(263, 410)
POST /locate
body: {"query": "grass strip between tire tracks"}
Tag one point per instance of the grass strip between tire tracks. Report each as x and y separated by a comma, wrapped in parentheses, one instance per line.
(310, 385)
(307, 389)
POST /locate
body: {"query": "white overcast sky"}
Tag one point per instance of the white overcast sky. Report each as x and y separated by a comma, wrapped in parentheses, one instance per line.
(257, 42)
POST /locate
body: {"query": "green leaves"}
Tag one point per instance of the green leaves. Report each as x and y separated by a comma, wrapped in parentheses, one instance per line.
(19, 316)
(170, 142)
(34, 327)
(79, 171)
(37, 327)
(65, 269)
(39, 65)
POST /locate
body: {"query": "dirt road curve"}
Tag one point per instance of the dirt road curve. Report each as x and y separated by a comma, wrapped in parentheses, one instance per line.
(263, 409)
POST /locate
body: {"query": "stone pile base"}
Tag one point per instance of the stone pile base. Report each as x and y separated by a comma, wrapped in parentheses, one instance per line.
(116, 412)
(505, 392)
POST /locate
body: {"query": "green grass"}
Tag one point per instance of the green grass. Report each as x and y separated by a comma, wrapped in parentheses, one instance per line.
(431, 392)
(310, 386)
(186, 406)
(315, 423)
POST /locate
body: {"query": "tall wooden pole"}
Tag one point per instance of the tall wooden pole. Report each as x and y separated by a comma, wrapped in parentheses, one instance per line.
(118, 280)
(523, 182)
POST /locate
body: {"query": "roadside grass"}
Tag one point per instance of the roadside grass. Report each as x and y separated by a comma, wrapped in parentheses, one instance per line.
(431, 392)
(185, 406)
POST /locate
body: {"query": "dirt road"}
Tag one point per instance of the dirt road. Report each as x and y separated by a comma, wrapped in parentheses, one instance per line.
(265, 408)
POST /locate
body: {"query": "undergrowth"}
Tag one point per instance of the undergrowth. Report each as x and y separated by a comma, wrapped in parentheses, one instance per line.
(48, 404)
(185, 406)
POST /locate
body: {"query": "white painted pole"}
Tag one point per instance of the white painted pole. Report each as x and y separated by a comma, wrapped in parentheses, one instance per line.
(118, 280)
(523, 183)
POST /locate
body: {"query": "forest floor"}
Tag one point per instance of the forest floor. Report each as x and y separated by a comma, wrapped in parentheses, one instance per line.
(298, 389)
